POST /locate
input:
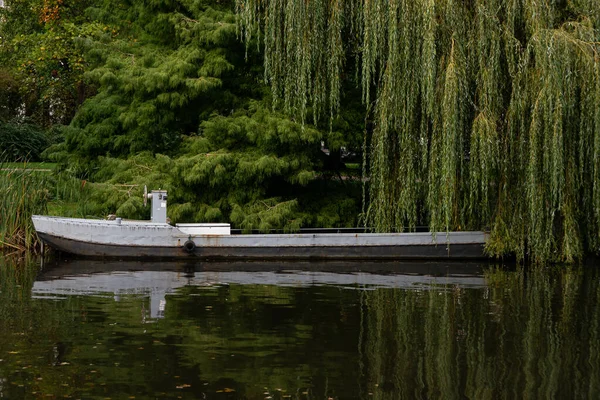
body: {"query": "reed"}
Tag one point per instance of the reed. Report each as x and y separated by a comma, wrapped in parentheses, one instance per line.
(25, 190)
(23, 193)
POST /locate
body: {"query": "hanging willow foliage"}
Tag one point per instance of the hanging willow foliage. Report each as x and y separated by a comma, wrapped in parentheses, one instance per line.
(486, 113)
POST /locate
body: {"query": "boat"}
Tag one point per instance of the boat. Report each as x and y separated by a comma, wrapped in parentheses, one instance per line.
(157, 238)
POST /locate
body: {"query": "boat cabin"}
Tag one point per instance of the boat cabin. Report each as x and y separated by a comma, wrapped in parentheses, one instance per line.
(158, 200)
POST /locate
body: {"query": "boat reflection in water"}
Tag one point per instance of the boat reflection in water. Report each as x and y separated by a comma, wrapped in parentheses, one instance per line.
(158, 279)
(250, 331)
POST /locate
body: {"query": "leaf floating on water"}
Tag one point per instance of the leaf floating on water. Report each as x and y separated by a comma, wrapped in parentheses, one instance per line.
(64, 363)
(184, 386)
(13, 352)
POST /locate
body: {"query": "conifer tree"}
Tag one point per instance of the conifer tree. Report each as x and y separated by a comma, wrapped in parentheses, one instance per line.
(181, 105)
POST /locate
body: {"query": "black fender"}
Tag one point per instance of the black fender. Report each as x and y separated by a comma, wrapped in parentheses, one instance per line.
(189, 246)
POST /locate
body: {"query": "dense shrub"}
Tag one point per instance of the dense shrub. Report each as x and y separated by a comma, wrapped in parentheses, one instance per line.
(20, 142)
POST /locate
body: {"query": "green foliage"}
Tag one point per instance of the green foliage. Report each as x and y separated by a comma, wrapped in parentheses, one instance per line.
(68, 195)
(266, 214)
(255, 169)
(480, 115)
(28, 189)
(40, 49)
(485, 113)
(331, 205)
(23, 194)
(20, 142)
(163, 94)
(9, 95)
(155, 77)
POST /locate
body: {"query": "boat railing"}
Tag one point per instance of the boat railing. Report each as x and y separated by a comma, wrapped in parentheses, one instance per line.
(235, 231)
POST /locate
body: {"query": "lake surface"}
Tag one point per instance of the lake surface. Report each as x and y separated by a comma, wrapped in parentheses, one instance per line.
(94, 330)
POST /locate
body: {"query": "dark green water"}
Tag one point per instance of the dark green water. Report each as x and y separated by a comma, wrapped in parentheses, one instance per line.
(263, 331)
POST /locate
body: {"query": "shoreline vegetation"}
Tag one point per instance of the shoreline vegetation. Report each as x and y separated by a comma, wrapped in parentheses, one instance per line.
(25, 192)
(42, 188)
(38, 188)
(28, 189)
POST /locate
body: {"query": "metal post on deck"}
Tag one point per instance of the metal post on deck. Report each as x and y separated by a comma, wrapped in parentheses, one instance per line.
(42, 250)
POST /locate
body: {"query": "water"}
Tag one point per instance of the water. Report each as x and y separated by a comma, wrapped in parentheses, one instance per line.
(96, 330)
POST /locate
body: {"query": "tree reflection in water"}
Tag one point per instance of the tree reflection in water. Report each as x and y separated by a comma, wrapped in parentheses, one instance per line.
(528, 335)
(524, 334)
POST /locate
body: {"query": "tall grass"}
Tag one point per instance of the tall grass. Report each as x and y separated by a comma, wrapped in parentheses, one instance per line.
(23, 193)
(25, 190)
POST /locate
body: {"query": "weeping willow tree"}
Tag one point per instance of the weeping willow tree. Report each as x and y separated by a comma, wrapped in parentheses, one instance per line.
(485, 114)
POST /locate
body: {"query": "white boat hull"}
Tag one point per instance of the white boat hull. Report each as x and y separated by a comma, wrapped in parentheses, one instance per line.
(140, 239)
